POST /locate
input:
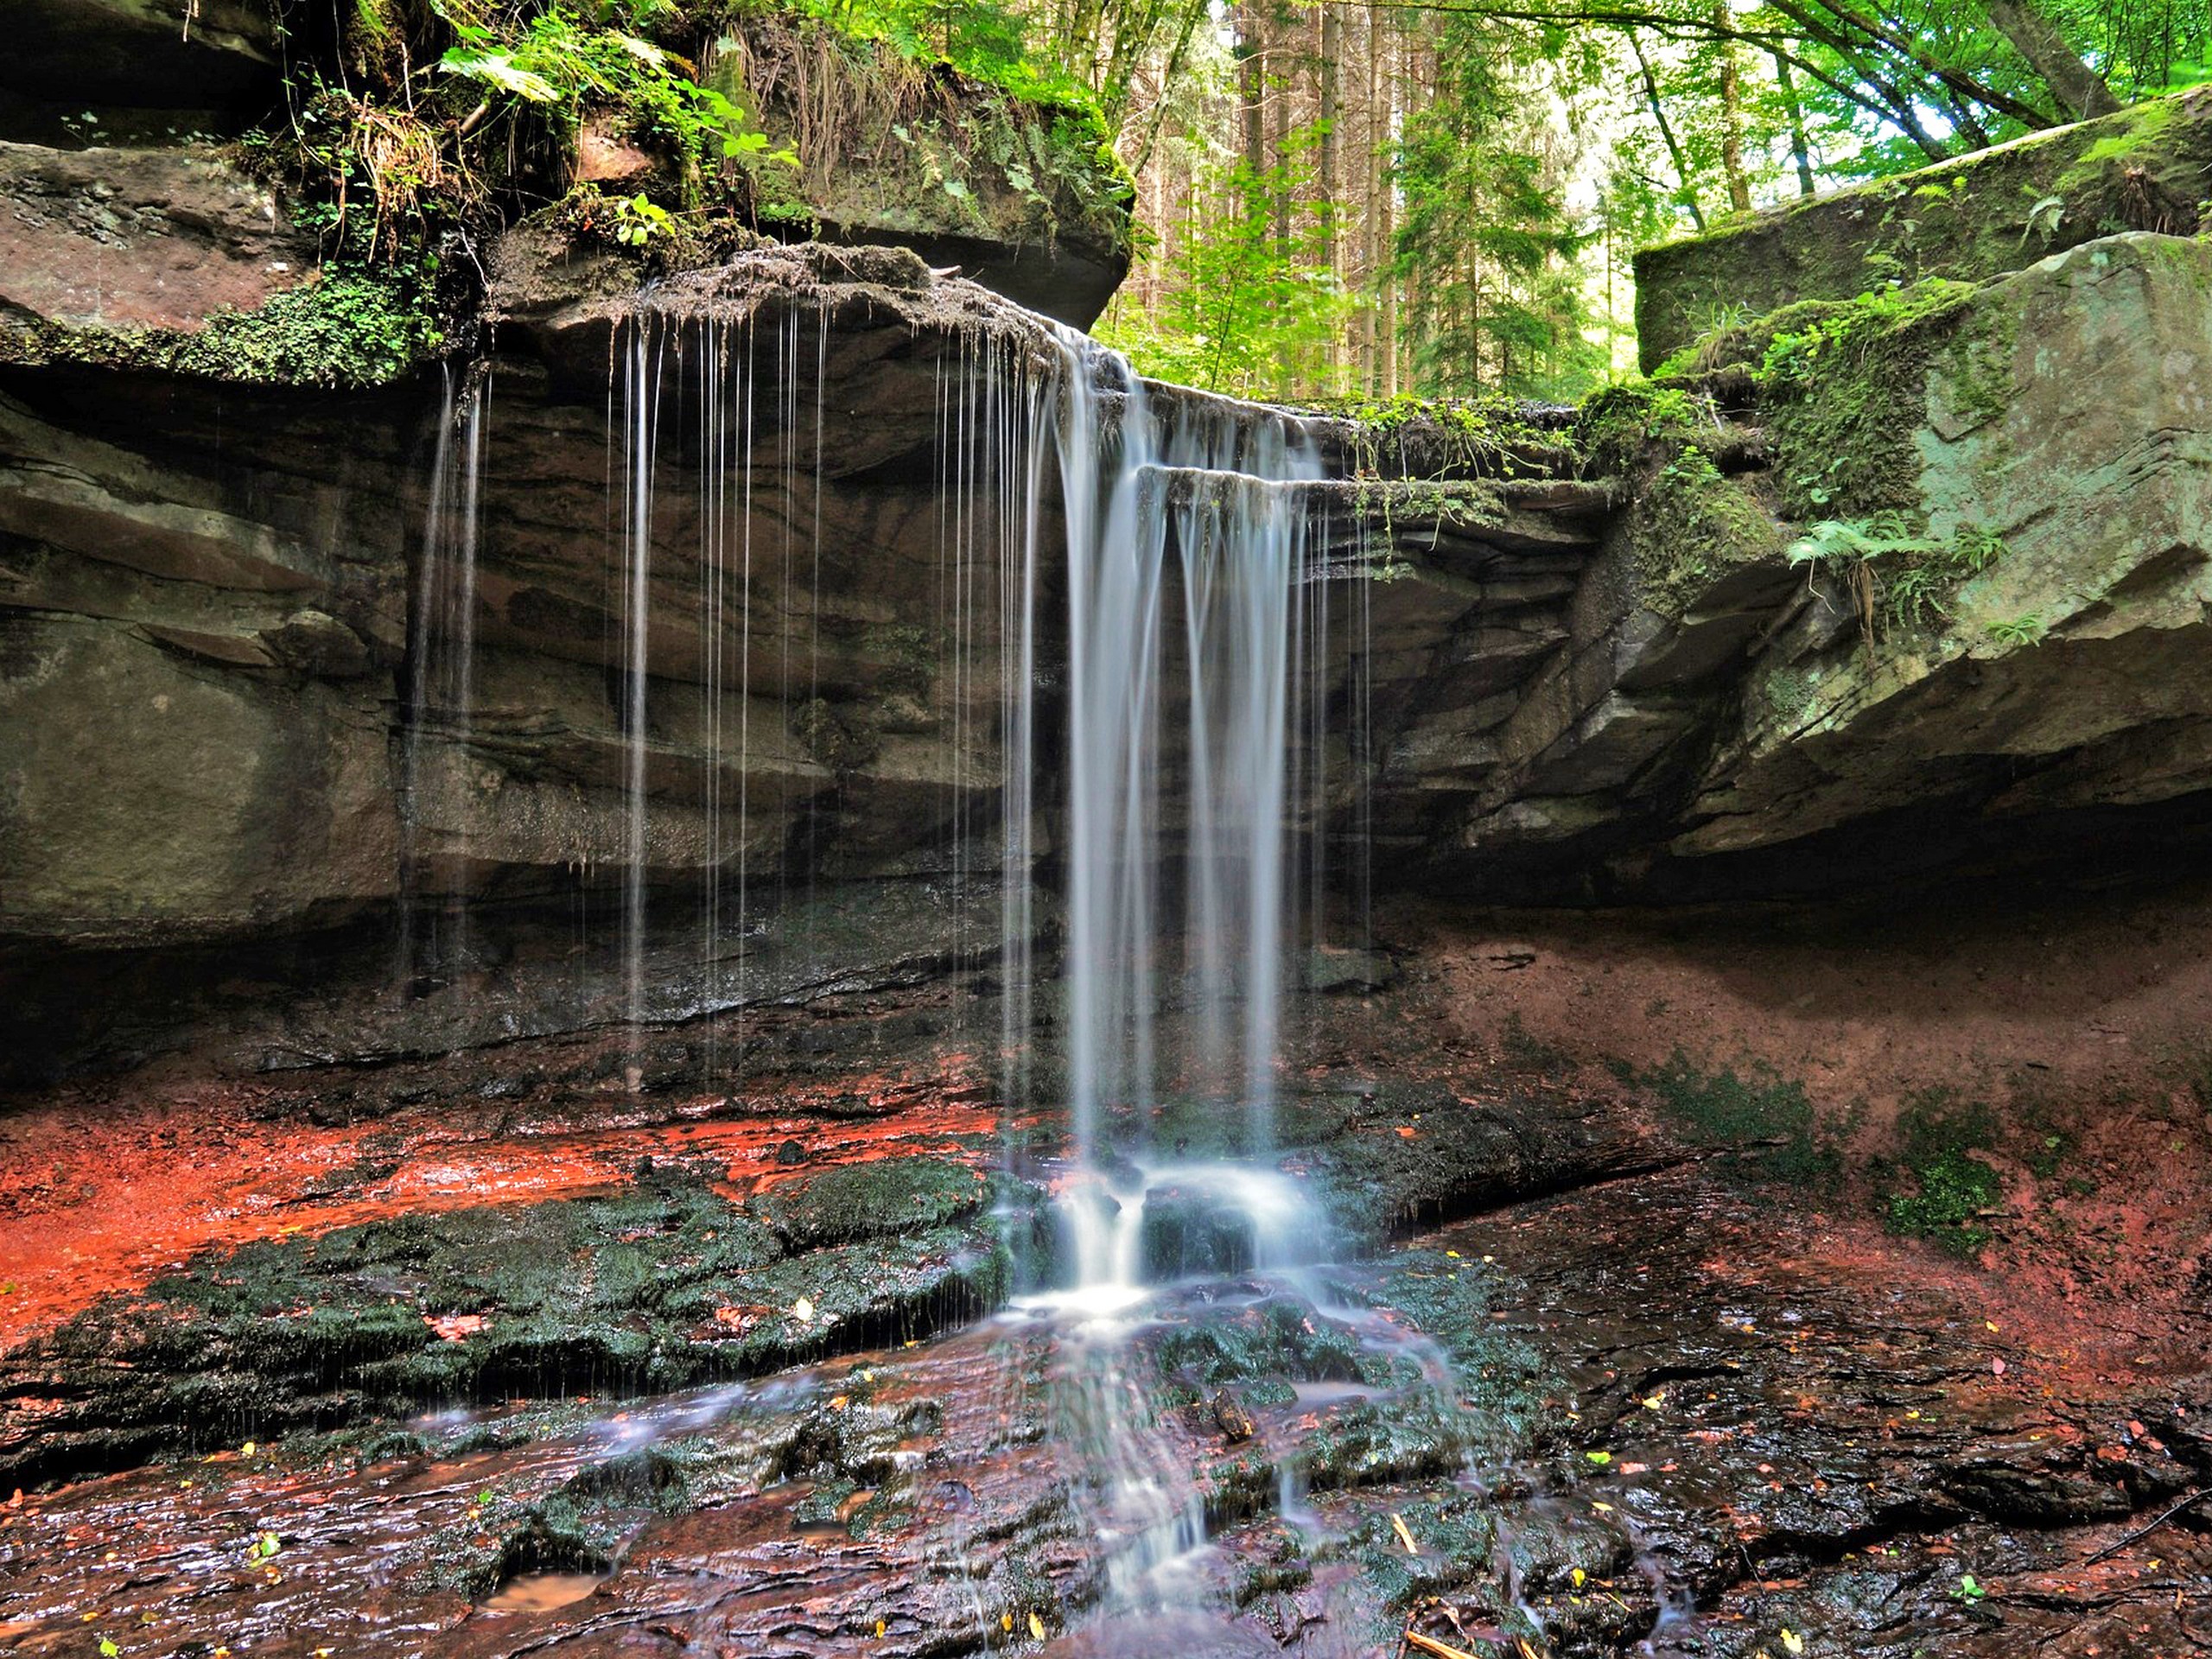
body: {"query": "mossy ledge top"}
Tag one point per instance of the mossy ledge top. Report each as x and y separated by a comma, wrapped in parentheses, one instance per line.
(2146, 168)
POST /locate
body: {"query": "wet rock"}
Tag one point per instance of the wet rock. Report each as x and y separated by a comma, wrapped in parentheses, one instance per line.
(657, 1285)
(135, 63)
(1230, 1416)
(875, 1200)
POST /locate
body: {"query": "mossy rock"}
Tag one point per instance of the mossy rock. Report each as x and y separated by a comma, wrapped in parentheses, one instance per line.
(1995, 211)
(659, 1285)
(873, 1200)
(1691, 526)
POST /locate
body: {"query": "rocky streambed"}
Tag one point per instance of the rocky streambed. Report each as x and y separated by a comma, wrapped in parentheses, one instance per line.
(533, 1369)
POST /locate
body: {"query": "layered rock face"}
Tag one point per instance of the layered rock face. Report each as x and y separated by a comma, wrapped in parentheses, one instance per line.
(212, 675)
(1588, 667)
(1875, 587)
(1919, 595)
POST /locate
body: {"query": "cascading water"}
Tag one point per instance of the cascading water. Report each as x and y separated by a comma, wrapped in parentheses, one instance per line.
(441, 691)
(1192, 507)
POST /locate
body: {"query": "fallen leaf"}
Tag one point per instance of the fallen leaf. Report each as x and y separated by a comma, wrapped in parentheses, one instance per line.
(802, 1310)
(1405, 1534)
(1599, 1457)
(1036, 1627)
(1792, 1641)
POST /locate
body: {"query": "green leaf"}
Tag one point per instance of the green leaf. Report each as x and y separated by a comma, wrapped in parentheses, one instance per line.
(499, 69)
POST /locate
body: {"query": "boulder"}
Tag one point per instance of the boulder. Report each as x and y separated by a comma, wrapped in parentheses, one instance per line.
(1984, 214)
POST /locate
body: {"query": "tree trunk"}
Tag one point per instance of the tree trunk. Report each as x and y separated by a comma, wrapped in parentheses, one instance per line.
(2079, 89)
(1371, 212)
(1332, 43)
(1687, 192)
(1251, 87)
(1731, 116)
(1799, 151)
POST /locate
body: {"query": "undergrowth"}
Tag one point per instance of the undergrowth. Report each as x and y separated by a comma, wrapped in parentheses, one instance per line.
(1949, 1189)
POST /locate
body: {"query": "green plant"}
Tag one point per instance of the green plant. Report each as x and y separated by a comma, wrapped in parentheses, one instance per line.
(1938, 1134)
(1953, 1191)
(1894, 570)
(560, 63)
(2023, 630)
(2043, 219)
(639, 219)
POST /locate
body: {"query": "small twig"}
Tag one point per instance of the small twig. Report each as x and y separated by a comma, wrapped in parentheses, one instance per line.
(1431, 1646)
(2143, 1532)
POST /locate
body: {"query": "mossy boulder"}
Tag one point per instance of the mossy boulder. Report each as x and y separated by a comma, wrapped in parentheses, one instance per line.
(1979, 216)
(2052, 421)
(1024, 196)
(653, 1286)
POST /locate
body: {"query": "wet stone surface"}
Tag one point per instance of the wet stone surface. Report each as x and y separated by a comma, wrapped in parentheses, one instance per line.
(1654, 1413)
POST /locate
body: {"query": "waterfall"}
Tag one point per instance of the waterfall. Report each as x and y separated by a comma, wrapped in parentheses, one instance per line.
(1188, 544)
(1117, 608)
(1130, 640)
(441, 693)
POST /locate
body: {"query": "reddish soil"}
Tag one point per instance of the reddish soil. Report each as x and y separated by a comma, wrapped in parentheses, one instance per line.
(2085, 1020)
(98, 1196)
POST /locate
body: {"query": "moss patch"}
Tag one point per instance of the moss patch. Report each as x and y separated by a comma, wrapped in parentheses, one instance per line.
(871, 1200)
(659, 1285)
(350, 328)
(1982, 215)
(1945, 1188)
(1769, 1115)
(1689, 524)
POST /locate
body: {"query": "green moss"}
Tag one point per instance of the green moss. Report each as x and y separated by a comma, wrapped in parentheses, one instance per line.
(1952, 1191)
(659, 1285)
(353, 327)
(1844, 391)
(871, 1200)
(1790, 692)
(1949, 1189)
(1408, 436)
(1689, 523)
(1760, 1110)
(1968, 219)
(1615, 426)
